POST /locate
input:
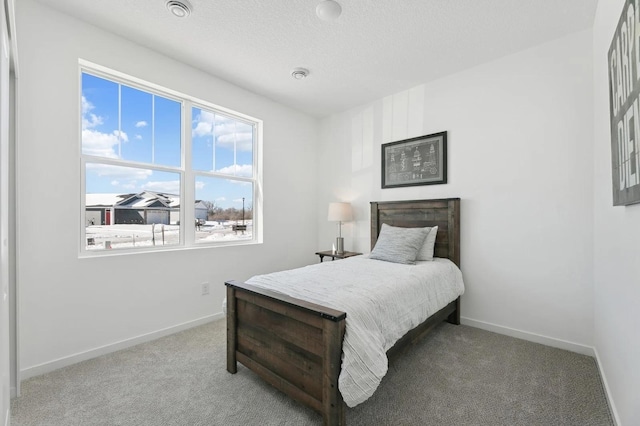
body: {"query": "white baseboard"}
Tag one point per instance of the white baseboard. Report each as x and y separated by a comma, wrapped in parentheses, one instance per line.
(103, 350)
(532, 337)
(607, 391)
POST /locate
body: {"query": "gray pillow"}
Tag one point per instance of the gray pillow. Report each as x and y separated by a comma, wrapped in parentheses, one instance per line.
(398, 245)
(426, 251)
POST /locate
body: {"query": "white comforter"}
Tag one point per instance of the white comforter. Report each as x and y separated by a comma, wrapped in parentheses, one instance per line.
(382, 300)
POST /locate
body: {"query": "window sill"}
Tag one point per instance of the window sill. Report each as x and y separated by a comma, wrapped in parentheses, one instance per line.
(91, 254)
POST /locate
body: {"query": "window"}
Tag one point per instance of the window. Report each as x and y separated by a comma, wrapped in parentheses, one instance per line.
(222, 160)
(145, 171)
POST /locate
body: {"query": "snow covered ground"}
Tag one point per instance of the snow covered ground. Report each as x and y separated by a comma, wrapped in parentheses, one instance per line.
(101, 237)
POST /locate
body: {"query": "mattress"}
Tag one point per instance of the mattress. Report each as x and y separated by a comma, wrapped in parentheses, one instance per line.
(383, 301)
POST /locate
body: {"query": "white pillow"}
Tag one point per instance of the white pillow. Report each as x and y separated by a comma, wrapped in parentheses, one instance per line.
(398, 245)
(426, 251)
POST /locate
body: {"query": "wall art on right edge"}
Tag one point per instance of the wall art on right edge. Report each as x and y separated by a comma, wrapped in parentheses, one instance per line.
(624, 91)
(416, 161)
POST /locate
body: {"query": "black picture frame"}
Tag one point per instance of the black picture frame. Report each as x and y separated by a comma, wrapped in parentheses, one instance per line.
(415, 161)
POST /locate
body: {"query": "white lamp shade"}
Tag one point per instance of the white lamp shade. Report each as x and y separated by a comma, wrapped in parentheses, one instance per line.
(340, 212)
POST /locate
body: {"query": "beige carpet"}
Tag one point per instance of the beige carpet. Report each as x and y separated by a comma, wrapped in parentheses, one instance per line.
(458, 375)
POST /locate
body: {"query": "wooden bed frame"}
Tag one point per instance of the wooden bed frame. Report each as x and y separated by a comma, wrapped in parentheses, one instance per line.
(296, 346)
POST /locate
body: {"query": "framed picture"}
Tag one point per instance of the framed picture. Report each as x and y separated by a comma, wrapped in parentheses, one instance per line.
(416, 161)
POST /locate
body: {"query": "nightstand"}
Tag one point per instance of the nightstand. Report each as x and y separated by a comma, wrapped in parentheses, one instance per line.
(334, 256)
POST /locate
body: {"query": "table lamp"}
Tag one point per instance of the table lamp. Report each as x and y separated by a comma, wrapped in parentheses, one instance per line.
(340, 212)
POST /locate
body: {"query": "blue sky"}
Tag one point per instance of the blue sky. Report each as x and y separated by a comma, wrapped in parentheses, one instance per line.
(145, 128)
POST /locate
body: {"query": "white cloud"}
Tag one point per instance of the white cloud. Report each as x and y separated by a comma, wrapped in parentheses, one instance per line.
(123, 136)
(172, 186)
(119, 175)
(200, 184)
(203, 124)
(141, 124)
(95, 142)
(202, 129)
(89, 120)
(227, 130)
(131, 186)
(86, 105)
(100, 144)
(244, 170)
(243, 141)
(138, 137)
(220, 199)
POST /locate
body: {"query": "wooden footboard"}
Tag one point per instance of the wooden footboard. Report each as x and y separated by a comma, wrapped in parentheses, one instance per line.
(294, 345)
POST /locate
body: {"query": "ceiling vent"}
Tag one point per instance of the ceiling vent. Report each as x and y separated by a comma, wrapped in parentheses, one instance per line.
(181, 9)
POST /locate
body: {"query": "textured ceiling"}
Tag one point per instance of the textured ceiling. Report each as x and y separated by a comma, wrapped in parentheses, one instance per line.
(375, 48)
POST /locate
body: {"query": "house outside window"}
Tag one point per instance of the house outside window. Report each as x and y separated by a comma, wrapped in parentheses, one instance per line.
(152, 157)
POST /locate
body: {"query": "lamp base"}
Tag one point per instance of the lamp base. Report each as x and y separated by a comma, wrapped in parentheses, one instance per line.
(339, 245)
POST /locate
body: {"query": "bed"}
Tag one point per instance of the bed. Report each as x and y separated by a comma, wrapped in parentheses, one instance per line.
(297, 346)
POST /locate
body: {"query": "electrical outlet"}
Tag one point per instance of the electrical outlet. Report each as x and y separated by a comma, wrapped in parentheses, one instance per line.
(205, 289)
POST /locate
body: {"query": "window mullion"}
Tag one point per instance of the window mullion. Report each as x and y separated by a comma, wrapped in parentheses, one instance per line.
(119, 120)
(213, 143)
(235, 148)
(153, 129)
(188, 179)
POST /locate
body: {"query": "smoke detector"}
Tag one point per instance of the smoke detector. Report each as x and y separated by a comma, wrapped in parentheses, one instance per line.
(181, 9)
(328, 10)
(299, 73)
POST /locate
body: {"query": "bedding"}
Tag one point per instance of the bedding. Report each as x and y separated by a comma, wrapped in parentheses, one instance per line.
(383, 301)
(426, 251)
(399, 245)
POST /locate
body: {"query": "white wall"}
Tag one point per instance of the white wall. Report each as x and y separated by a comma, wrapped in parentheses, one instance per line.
(69, 306)
(520, 159)
(616, 246)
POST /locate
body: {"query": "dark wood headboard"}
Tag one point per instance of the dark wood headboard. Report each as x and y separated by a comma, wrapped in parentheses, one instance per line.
(445, 213)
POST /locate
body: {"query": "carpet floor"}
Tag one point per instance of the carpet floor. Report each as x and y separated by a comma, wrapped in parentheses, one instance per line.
(457, 375)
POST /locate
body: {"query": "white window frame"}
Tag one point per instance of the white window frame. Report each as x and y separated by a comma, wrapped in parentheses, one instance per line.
(187, 174)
